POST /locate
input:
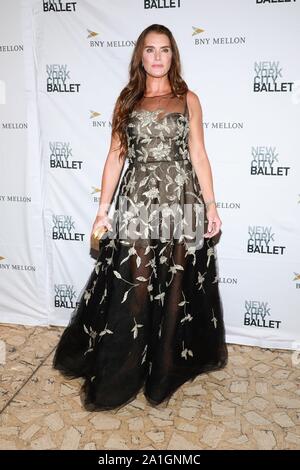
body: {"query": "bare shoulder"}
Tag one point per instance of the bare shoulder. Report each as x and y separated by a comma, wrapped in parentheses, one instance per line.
(193, 103)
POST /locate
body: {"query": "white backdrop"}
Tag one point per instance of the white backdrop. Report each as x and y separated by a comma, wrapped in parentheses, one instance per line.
(63, 65)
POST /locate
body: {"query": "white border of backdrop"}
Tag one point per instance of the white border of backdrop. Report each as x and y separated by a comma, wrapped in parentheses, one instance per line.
(74, 124)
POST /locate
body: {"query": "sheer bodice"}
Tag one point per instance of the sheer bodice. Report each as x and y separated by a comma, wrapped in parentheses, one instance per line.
(158, 130)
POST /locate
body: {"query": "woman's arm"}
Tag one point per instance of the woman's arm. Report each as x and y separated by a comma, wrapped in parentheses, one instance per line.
(197, 149)
(201, 162)
(110, 176)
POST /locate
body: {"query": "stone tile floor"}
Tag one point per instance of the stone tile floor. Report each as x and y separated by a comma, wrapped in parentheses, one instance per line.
(254, 403)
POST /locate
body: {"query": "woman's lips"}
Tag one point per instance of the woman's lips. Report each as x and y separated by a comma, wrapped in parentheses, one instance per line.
(157, 65)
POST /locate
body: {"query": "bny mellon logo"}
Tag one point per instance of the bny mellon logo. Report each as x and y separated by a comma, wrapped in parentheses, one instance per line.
(95, 190)
(197, 31)
(94, 114)
(91, 34)
(297, 279)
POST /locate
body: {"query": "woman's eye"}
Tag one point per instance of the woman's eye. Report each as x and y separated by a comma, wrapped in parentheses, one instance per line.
(166, 49)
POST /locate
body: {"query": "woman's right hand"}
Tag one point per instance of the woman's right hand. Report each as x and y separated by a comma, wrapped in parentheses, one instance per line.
(101, 221)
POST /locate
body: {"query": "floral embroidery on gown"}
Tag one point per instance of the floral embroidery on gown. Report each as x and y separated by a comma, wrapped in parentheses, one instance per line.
(150, 315)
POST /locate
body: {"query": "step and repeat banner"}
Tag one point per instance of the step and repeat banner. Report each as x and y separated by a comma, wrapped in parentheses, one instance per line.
(63, 64)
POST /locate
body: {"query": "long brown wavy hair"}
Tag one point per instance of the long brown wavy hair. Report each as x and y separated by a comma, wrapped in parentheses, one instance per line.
(135, 88)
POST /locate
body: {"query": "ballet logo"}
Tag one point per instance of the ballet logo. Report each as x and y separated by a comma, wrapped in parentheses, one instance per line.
(268, 78)
(265, 162)
(64, 228)
(297, 279)
(261, 240)
(61, 154)
(58, 79)
(65, 296)
(258, 314)
(149, 4)
(260, 2)
(58, 6)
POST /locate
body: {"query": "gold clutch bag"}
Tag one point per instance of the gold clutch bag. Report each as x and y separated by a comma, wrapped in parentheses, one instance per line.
(96, 237)
(99, 232)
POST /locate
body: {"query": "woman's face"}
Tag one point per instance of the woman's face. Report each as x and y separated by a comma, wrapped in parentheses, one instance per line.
(157, 54)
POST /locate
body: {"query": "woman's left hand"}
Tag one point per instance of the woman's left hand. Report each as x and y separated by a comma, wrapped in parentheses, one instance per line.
(214, 222)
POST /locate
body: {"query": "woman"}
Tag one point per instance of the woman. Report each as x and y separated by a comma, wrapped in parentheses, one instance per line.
(150, 314)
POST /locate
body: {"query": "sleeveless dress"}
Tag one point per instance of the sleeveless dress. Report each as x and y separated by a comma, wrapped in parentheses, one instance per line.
(150, 315)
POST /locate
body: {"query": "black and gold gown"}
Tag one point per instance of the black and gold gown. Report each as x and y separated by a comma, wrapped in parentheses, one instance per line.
(150, 315)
